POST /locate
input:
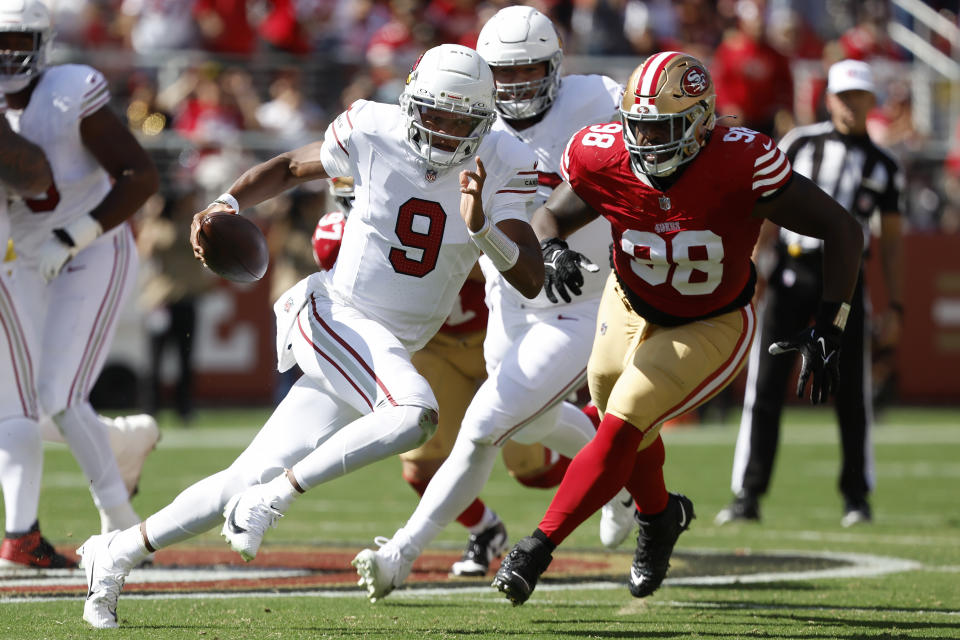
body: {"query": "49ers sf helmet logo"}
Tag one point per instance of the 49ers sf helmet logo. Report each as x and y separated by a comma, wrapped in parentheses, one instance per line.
(695, 81)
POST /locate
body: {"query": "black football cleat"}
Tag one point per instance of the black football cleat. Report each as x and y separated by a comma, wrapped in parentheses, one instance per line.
(655, 543)
(481, 550)
(520, 570)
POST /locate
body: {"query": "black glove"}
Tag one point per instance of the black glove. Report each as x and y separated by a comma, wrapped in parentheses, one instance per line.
(819, 347)
(562, 269)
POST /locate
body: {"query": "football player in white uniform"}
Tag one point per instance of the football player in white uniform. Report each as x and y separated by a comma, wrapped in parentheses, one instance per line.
(23, 170)
(536, 351)
(404, 256)
(101, 176)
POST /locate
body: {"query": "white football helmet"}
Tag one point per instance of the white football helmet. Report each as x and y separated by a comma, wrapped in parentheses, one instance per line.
(455, 80)
(670, 102)
(520, 36)
(19, 66)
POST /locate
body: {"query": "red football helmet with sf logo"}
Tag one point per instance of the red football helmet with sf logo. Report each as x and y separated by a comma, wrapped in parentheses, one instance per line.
(329, 232)
(667, 110)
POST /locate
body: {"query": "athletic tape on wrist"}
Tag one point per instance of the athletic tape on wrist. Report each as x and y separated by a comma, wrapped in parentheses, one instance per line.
(502, 251)
(230, 201)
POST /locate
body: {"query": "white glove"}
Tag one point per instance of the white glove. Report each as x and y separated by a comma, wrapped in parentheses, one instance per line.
(65, 243)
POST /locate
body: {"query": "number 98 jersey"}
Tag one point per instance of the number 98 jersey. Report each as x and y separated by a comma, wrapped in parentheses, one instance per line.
(684, 253)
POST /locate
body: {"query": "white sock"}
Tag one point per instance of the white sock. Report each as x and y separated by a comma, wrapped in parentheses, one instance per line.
(457, 483)
(127, 547)
(87, 437)
(21, 471)
(282, 492)
(121, 516)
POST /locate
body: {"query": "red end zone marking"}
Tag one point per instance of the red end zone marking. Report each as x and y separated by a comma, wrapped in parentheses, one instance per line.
(329, 568)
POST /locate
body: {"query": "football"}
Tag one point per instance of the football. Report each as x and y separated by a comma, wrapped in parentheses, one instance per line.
(233, 246)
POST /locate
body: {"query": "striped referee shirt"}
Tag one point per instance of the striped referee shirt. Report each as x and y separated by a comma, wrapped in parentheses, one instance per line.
(852, 170)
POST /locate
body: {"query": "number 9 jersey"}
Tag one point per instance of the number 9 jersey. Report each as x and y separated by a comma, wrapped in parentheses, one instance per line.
(406, 251)
(683, 253)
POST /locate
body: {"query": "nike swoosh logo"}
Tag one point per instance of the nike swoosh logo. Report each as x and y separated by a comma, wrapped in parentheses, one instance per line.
(683, 516)
(628, 502)
(232, 522)
(71, 269)
(768, 145)
(90, 580)
(563, 317)
(635, 578)
(823, 347)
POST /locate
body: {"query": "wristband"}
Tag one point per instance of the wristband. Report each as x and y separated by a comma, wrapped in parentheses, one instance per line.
(78, 233)
(230, 201)
(833, 316)
(502, 251)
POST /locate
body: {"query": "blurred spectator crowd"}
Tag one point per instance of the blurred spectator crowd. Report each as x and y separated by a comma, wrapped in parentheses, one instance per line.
(213, 86)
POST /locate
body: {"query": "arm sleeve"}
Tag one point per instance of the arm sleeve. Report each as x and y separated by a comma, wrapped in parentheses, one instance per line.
(512, 198)
(335, 152)
(772, 170)
(93, 89)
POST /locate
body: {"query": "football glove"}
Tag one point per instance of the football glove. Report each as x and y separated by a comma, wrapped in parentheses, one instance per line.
(562, 269)
(65, 243)
(819, 348)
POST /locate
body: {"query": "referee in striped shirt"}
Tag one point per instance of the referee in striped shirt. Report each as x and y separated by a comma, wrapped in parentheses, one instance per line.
(840, 157)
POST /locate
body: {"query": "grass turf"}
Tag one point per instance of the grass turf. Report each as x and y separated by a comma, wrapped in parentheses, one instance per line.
(915, 508)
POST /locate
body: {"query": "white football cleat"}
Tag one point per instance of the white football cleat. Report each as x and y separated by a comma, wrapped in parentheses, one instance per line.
(105, 578)
(132, 438)
(248, 515)
(616, 520)
(385, 569)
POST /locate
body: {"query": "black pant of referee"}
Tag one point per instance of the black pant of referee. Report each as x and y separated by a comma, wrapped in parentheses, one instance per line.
(788, 304)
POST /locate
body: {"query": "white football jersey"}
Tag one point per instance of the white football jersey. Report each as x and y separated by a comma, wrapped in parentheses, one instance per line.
(406, 251)
(580, 101)
(64, 96)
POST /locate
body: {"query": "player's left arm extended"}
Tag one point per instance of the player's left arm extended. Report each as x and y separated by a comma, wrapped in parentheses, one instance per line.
(135, 177)
(804, 208)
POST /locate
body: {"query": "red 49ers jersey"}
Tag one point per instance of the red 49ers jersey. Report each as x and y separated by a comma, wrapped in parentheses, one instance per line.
(684, 252)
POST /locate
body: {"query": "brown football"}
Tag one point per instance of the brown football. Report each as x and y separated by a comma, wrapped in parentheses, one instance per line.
(233, 246)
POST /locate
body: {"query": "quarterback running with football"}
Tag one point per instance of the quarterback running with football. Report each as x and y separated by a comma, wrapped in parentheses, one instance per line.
(685, 198)
(452, 363)
(536, 350)
(75, 251)
(404, 256)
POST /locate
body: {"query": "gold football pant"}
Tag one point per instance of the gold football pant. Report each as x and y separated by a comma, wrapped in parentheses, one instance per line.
(647, 374)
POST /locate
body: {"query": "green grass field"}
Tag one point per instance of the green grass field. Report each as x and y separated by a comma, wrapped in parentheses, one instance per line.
(916, 508)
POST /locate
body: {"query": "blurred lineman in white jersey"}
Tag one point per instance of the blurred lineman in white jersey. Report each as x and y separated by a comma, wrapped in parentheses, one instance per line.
(404, 256)
(536, 351)
(76, 251)
(23, 171)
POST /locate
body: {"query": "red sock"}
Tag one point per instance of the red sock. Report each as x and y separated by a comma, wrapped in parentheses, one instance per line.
(646, 480)
(593, 413)
(594, 476)
(471, 515)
